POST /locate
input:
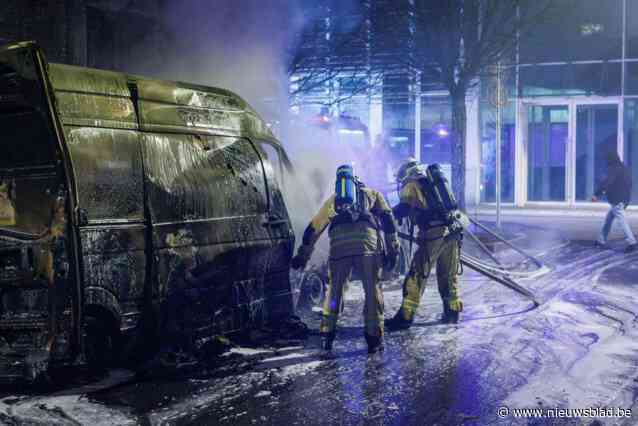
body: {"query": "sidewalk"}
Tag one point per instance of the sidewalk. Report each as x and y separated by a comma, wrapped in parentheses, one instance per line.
(574, 223)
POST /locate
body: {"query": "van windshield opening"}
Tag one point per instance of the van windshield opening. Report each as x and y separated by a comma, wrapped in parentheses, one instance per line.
(25, 140)
(27, 174)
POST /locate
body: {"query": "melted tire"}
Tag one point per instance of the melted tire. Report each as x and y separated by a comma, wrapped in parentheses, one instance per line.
(312, 293)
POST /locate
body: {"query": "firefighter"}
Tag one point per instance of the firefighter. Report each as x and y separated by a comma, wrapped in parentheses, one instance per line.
(437, 245)
(354, 214)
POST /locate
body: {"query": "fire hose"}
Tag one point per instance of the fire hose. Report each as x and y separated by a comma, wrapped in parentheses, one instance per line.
(500, 270)
(506, 281)
(496, 272)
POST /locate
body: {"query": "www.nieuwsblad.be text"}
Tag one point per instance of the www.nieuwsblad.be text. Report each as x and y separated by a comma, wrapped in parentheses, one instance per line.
(564, 413)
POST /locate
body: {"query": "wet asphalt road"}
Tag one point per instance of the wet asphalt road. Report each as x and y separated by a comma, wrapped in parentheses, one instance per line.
(579, 349)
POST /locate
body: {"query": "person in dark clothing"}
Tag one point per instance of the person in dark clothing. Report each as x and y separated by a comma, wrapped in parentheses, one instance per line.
(617, 188)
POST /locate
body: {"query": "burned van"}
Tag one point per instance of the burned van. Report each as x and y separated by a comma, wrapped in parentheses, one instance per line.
(118, 191)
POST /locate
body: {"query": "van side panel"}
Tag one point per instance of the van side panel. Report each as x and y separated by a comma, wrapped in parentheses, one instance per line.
(166, 108)
(108, 169)
(100, 125)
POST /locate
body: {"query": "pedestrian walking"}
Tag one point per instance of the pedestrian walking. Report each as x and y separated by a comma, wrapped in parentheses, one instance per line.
(617, 188)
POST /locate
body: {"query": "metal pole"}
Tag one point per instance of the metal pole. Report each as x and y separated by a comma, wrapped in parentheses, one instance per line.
(498, 145)
(417, 119)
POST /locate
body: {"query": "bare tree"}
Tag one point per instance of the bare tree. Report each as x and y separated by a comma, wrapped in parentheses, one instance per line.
(324, 53)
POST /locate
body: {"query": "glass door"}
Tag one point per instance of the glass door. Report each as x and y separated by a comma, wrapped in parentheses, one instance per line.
(548, 132)
(596, 136)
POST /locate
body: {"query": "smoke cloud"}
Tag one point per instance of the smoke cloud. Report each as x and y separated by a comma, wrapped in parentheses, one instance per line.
(239, 45)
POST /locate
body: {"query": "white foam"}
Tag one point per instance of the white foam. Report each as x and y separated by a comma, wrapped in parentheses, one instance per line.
(65, 410)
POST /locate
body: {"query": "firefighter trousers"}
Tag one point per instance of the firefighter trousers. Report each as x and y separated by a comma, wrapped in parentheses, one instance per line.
(340, 271)
(445, 255)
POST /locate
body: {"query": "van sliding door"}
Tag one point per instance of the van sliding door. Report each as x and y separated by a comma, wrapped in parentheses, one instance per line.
(208, 204)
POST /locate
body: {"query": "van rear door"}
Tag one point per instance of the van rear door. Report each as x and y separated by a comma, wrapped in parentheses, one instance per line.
(38, 294)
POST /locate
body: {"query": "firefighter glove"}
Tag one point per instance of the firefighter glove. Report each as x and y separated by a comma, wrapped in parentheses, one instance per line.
(302, 257)
(298, 262)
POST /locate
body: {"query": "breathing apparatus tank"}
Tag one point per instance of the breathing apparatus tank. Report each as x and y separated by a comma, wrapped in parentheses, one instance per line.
(350, 202)
(442, 205)
(445, 200)
(346, 188)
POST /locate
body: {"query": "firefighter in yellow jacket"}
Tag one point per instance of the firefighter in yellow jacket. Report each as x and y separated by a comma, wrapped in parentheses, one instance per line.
(437, 245)
(354, 215)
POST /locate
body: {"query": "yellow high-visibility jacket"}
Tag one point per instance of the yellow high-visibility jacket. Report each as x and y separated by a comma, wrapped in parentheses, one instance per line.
(350, 239)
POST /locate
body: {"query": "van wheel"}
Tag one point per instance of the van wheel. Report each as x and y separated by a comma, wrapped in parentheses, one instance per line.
(313, 291)
(102, 341)
(43, 382)
(145, 341)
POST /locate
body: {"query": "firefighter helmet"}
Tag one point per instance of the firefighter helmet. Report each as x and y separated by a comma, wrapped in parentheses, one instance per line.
(408, 169)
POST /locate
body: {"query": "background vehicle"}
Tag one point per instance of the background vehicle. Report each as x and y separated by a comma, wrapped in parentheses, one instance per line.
(127, 193)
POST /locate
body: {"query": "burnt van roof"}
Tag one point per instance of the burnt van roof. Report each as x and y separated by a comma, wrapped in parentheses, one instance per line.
(99, 98)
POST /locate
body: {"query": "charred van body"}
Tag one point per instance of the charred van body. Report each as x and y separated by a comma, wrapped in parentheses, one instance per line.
(119, 192)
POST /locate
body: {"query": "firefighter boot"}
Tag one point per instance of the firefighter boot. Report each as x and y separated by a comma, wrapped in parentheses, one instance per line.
(398, 322)
(326, 345)
(375, 343)
(450, 316)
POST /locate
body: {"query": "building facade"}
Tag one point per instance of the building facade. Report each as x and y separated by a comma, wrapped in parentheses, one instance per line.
(569, 97)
